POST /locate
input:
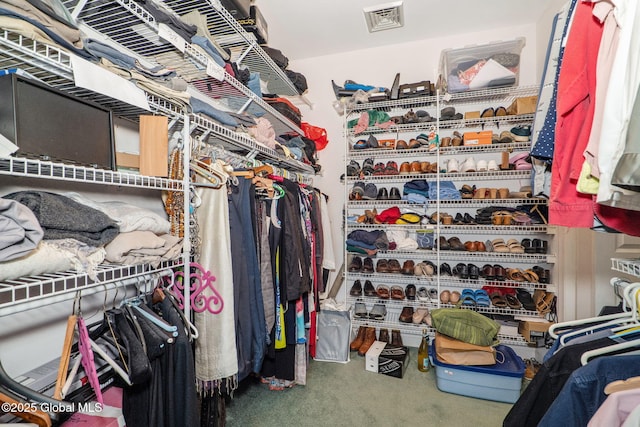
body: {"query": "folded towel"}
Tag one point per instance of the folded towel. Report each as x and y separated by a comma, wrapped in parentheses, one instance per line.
(20, 231)
(62, 218)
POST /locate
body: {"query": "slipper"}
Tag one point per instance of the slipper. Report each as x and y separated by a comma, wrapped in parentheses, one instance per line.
(525, 299)
(513, 302)
(378, 312)
(482, 298)
(515, 247)
(360, 311)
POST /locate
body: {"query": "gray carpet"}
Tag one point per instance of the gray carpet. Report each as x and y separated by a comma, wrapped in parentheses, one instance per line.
(346, 395)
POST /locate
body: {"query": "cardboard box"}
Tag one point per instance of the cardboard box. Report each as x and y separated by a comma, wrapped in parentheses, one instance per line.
(472, 115)
(477, 138)
(534, 332)
(389, 144)
(386, 359)
(523, 105)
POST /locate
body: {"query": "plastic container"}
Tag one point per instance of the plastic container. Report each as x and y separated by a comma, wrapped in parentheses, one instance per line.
(483, 66)
(500, 382)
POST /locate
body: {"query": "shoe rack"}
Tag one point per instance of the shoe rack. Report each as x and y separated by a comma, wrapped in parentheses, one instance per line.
(481, 249)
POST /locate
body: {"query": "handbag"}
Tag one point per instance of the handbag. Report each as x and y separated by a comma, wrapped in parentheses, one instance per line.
(455, 352)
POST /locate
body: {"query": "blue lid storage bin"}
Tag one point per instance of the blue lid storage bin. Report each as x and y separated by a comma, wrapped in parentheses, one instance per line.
(500, 382)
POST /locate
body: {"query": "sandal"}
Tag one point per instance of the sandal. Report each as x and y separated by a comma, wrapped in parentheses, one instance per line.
(383, 291)
(467, 298)
(530, 276)
(513, 302)
(525, 298)
(498, 300)
(515, 247)
(499, 245)
(397, 293)
(482, 298)
(515, 274)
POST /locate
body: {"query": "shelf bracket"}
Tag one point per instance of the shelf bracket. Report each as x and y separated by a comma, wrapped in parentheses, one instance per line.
(245, 106)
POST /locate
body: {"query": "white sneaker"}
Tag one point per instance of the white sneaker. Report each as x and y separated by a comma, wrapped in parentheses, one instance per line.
(469, 165)
(452, 166)
(492, 166)
(481, 166)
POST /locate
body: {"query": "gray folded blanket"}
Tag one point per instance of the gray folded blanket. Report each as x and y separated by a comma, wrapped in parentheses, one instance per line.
(61, 217)
(20, 231)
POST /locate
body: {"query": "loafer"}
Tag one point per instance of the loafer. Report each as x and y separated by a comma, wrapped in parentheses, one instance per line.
(474, 271)
(405, 168)
(408, 267)
(499, 272)
(410, 291)
(382, 266)
(383, 194)
(406, 315)
(455, 244)
(462, 271)
(415, 167)
(356, 289)
(369, 290)
(356, 264)
(367, 265)
(394, 194)
(394, 266)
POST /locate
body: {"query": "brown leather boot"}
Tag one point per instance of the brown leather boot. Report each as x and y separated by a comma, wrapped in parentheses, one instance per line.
(357, 342)
(396, 338)
(369, 338)
(384, 335)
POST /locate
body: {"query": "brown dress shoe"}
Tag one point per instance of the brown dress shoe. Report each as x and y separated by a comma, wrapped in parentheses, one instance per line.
(382, 266)
(405, 168)
(407, 267)
(384, 335)
(396, 338)
(425, 167)
(394, 266)
(406, 316)
(415, 167)
(357, 342)
(369, 338)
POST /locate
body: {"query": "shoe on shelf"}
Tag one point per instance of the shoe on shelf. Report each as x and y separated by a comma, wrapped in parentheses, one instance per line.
(469, 165)
(452, 166)
(369, 290)
(492, 166)
(481, 166)
(369, 339)
(406, 316)
(355, 265)
(373, 142)
(384, 335)
(405, 168)
(394, 194)
(353, 168)
(383, 194)
(396, 337)
(356, 289)
(521, 133)
(370, 191)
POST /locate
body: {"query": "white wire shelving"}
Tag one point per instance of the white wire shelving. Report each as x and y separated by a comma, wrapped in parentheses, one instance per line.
(36, 291)
(422, 153)
(457, 176)
(627, 266)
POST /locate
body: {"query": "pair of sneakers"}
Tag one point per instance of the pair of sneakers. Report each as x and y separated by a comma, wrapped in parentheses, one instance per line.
(362, 191)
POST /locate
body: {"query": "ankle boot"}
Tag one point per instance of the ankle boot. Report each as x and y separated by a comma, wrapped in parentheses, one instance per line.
(396, 338)
(357, 342)
(384, 335)
(369, 338)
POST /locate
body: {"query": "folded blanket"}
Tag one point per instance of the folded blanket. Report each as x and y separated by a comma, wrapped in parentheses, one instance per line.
(143, 247)
(62, 218)
(20, 231)
(54, 256)
(128, 217)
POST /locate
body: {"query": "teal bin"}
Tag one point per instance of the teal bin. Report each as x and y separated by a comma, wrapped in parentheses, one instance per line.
(501, 382)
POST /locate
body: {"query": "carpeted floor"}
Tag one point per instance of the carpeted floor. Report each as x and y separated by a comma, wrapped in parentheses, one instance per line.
(346, 395)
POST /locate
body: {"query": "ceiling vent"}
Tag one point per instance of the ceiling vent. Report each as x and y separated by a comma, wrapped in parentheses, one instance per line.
(384, 16)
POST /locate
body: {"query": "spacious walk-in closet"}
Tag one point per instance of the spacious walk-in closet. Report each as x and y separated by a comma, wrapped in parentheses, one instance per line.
(265, 213)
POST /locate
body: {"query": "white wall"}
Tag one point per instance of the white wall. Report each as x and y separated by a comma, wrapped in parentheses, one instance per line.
(378, 66)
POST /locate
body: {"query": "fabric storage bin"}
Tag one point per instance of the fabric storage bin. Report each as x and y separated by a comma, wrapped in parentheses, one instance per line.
(500, 382)
(481, 66)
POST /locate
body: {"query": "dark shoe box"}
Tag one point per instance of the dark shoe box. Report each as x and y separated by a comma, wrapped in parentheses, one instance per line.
(387, 359)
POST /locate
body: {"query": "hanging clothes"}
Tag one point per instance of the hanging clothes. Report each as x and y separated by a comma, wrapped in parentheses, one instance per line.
(216, 357)
(251, 336)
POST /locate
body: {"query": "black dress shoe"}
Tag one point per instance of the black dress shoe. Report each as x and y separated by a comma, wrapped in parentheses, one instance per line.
(462, 271)
(410, 292)
(474, 271)
(394, 194)
(356, 289)
(445, 269)
(468, 219)
(459, 219)
(383, 194)
(369, 290)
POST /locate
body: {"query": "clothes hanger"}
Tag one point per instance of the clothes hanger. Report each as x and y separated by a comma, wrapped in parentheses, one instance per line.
(622, 385)
(27, 413)
(159, 295)
(136, 304)
(66, 355)
(571, 324)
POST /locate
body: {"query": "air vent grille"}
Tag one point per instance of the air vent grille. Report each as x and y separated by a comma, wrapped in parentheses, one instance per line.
(384, 16)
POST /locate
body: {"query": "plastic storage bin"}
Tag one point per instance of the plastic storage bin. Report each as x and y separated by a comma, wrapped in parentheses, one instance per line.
(500, 382)
(482, 66)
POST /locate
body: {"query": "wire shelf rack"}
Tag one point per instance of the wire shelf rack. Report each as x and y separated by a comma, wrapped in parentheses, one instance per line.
(424, 153)
(39, 290)
(628, 266)
(454, 176)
